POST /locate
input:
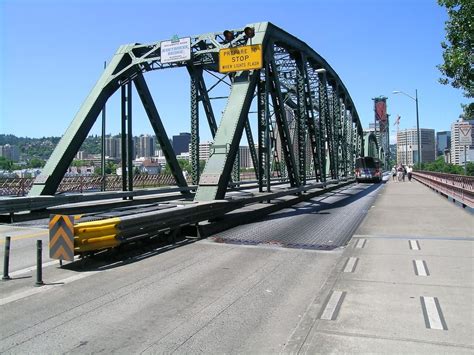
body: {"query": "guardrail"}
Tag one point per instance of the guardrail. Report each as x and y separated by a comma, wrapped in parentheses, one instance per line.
(84, 235)
(459, 187)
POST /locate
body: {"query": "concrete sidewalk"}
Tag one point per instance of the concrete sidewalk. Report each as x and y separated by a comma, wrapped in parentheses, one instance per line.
(404, 283)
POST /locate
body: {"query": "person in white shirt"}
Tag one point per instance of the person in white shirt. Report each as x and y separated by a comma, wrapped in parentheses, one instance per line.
(409, 171)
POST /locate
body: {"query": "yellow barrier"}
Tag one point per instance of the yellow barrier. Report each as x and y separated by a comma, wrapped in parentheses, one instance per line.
(87, 241)
(96, 235)
(97, 246)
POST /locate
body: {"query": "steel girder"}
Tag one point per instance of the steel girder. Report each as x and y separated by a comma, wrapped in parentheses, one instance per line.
(307, 91)
(159, 129)
(194, 130)
(371, 146)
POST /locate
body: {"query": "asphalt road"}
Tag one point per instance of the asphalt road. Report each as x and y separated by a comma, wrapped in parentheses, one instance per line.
(202, 297)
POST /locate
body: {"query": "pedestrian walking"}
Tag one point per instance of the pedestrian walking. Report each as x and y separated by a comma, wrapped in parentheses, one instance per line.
(394, 173)
(399, 172)
(409, 172)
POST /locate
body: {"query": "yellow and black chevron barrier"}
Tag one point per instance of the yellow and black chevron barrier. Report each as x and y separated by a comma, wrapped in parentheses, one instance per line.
(67, 238)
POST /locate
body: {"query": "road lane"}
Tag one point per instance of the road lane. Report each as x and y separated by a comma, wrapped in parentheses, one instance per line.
(203, 297)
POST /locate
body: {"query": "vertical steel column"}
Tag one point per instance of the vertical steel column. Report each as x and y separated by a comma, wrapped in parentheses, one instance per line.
(160, 132)
(282, 123)
(262, 132)
(124, 138)
(236, 166)
(102, 145)
(194, 130)
(337, 131)
(130, 145)
(264, 144)
(253, 152)
(332, 135)
(323, 113)
(312, 130)
(350, 154)
(301, 117)
(344, 139)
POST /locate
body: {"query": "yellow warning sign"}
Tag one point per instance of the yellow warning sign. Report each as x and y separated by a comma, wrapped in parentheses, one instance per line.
(61, 237)
(240, 58)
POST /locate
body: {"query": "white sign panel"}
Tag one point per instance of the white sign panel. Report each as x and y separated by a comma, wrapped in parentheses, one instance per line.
(465, 134)
(176, 51)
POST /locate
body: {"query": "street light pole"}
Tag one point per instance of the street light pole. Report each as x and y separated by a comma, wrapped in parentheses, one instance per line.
(418, 128)
(417, 121)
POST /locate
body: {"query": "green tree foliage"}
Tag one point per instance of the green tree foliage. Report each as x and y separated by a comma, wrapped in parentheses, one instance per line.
(184, 164)
(6, 164)
(36, 163)
(440, 166)
(458, 54)
(470, 168)
(110, 168)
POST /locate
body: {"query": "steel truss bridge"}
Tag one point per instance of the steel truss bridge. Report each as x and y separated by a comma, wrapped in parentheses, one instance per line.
(308, 126)
(308, 136)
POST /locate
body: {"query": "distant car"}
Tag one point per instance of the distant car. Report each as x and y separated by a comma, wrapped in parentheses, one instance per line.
(367, 169)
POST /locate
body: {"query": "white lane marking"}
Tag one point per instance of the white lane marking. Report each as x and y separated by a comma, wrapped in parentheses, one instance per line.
(334, 304)
(351, 264)
(414, 245)
(432, 312)
(361, 243)
(420, 268)
(33, 268)
(35, 290)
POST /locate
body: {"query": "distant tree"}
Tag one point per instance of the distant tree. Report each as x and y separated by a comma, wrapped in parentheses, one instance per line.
(6, 164)
(184, 164)
(439, 165)
(470, 168)
(78, 163)
(36, 163)
(457, 68)
(110, 168)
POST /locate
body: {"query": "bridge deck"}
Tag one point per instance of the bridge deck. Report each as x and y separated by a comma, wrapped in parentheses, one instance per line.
(226, 298)
(404, 283)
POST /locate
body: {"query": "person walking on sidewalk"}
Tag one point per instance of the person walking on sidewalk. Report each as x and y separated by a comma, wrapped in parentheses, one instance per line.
(399, 172)
(394, 173)
(409, 172)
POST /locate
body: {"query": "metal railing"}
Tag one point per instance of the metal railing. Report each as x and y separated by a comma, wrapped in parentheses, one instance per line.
(21, 186)
(458, 187)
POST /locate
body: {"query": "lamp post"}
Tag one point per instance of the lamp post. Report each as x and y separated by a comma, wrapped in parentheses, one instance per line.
(417, 121)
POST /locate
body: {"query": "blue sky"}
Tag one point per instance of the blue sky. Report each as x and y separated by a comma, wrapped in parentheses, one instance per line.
(52, 53)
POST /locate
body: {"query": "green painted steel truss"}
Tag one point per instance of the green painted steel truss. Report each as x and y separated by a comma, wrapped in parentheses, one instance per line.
(308, 126)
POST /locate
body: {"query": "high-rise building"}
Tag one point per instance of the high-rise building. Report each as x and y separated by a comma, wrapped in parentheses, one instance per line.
(10, 152)
(458, 151)
(181, 143)
(245, 157)
(146, 146)
(205, 150)
(407, 146)
(443, 142)
(113, 147)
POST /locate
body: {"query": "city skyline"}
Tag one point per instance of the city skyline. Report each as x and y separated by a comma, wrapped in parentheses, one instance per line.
(385, 56)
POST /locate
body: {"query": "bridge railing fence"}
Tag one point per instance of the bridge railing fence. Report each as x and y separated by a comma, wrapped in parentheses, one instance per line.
(21, 186)
(458, 187)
